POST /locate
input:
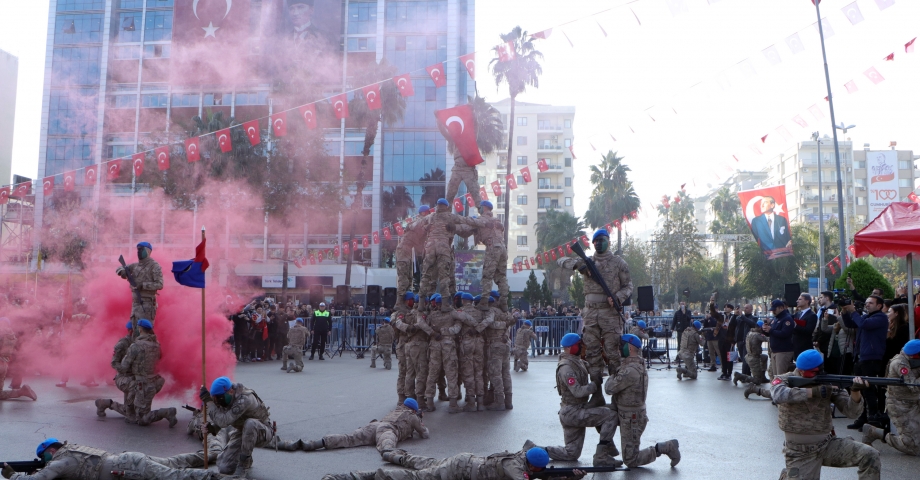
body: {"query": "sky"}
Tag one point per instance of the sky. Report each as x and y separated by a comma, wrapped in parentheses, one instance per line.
(682, 93)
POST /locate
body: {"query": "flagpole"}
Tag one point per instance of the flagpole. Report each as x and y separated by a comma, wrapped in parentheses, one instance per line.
(204, 381)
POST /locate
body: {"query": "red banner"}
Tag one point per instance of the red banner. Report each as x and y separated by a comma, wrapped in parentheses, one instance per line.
(765, 212)
(204, 35)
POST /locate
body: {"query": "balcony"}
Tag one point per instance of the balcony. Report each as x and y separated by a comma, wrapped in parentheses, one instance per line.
(550, 188)
(547, 128)
(548, 147)
(555, 168)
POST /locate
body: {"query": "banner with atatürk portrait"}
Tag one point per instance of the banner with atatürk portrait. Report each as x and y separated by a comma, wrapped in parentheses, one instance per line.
(765, 212)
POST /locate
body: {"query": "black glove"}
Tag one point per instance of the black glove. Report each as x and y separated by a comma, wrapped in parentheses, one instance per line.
(204, 395)
(437, 337)
(858, 387)
(7, 471)
(213, 429)
(821, 391)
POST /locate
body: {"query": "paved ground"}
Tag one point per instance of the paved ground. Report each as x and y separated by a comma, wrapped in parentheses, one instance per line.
(721, 434)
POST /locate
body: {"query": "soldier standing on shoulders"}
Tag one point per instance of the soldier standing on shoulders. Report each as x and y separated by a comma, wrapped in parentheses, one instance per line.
(805, 419)
(438, 266)
(148, 280)
(293, 351)
(902, 404)
(384, 345)
(603, 325)
(491, 232)
(689, 345)
(124, 381)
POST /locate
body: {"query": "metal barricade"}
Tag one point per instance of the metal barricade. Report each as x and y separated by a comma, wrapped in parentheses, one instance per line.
(353, 333)
(550, 331)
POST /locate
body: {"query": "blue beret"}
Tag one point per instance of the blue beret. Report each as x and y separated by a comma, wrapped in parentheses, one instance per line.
(129, 326)
(443, 201)
(494, 293)
(411, 403)
(409, 296)
(145, 323)
(416, 298)
(697, 324)
(632, 340)
(424, 208)
(809, 360)
(912, 347)
(485, 203)
(477, 298)
(436, 298)
(387, 319)
(299, 320)
(760, 323)
(458, 294)
(221, 385)
(491, 299)
(145, 244)
(467, 296)
(528, 322)
(642, 324)
(570, 339)
(600, 233)
(537, 457)
(44, 446)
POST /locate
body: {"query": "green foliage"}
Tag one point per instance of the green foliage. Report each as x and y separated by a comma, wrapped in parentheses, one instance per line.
(764, 277)
(675, 243)
(522, 70)
(555, 228)
(577, 291)
(613, 196)
(547, 295)
(532, 292)
(865, 278)
(638, 256)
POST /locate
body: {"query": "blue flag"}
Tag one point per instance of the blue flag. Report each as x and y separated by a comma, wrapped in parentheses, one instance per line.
(191, 272)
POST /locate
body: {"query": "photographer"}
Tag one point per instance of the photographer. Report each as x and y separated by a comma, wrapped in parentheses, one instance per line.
(871, 332)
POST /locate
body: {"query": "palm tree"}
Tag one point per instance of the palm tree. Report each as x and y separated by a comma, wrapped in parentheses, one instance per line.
(396, 204)
(727, 210)
(614, 196)
(555, 228)
(521, 70)
(433, 186)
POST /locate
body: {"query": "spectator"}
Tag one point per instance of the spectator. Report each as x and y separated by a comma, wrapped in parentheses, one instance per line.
(727, 340)
(745, 322)
(282, 327)
(241, 336)
(681, 321)
(320, 325)
(780, 333)
(821, 336)
(803, 329)
(713, 322)
(871, 332)
(898, 336)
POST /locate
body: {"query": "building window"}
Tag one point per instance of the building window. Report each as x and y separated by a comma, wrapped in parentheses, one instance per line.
(860, 200)
(501, 218)
(568, 123)
(568, 201)
(362, 44)
(431, 42)
(568, 162)
(431, 94)
(482, 180)
(522, 200)
(155, 51)
(212, 99)
(158, 26)
(522, 220)
(252, 98)
(159, 3)
(522, 160)
(129, 27)
(904, 165)
(567, 143)
(520, 180)
(859, 164)
(78, 29)
(505, 120)
(401, 43)
(522, 240)
(522, 140)
(904, 183)
(362, 18)
(157, 100)
(64, 154)
(123, 101)
(522, 121)
(185, 100)
(568, 181)
(519, 259)
(69, 5)
(78, 65)
(131, 52)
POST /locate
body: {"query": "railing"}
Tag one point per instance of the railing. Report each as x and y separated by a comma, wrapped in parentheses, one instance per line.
(554, 128)
(547, 146)
(549, 187)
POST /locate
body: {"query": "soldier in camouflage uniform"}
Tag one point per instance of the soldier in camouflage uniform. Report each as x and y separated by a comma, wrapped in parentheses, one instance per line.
(575, 413)
(472, 358)
(384, 345)
(689, 345)
(442, 352)
(491, 233)
(805, 419)
(639, 330)
(497, 349)
(413, 238)
(438, 267)
(628, 391)
(415, 353)
(148, 277)
(400, 424)
(77, 462)
(522, 341)
(7, 347)
(141, 360)
(124, 381)
(757, 362)
(461, 172)
(902, 404)
(293, 351)
(603, 326)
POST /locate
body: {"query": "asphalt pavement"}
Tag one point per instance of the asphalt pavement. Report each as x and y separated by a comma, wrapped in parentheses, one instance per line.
(722, 435)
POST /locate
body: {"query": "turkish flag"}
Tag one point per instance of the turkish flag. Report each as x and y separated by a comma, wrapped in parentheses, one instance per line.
(91, 175)
(112, 170)
(372, 96)
(572, 151)
(469, 200)
(346, 249)
(546, 257)
(514, 267)
(137, 162)
(800, 121)
(616, 223)
(22, 189)
(376, 237)
(539, 259)
(458, 204)
(608, 227)
(482, 193)
(436, 72)
(48, 186)
(533, 261)
(399, 229)
(544, 34)
(335, 252)
(568, 248)
(851, 87)
(552, 254)
(584, 239)
(386, 233)
(340, 105)
(497, 188)
(203, 34)
(312, 259)
(542, 166)
(404, 84)
(297, 262)
(457, 125)
(913, 197)
(833, 270)
(526, 263)
(505, 51)
(909, 46)
(224, 141)
(763, 139)
(162, 154)
(354, 244)
(69, 181)
(873, 76)
(4, 195)
(469, 61)
(889, 57)
(512, 183)
(279, 124)
(365, 242)
(253, 132)
(193, 149)
(525, 173)
(308, 113)
(561, 251)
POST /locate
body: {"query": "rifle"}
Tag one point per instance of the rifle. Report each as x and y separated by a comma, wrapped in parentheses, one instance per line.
(843, 381)
(552, 472)
(191, 408)
(135, 292)
(26, 467)
(596, 276)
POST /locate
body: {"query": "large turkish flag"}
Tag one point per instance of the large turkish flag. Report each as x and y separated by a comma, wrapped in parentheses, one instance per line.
(204, 34)
(457, 124)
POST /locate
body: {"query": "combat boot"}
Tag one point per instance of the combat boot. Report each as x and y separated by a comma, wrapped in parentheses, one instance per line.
(454, 407)
(680, 373)
(102, 404)
(26, 391)
(508, 405)
(498, 405)
(429, 404)
(311, 445)
(244, 468)
(170, 416)
(603, 457)
(284, 365)
(749, 389)
(442, 394)
(284, 445)
(373, 361)
(871, 434)
(669, 448)
(489, 397)
(736, 377)
(470, 405)
(396, 456)
(480, 403)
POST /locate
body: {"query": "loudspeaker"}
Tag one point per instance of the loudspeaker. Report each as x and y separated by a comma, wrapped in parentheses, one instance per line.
(389, 297)
(791, 294)
(316, 295)
(342, 296)
(646, 299)
(373, 296)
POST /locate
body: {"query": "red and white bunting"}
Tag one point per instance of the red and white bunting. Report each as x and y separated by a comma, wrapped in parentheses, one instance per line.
(308, 114)
(253, 132)
(436, 72)
(279, 124)
(224, 141)
(469, 62)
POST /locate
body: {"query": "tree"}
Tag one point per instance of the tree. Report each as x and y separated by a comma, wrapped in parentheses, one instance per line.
(547, 295)
(728, 220)
(433, 186)
(763, 277)
(396, 204)
(520, 68)
(865, 278)
(613, 197)
(675, 242)
(555, 228)
(532, 292)
(638, 255)
(577, 291)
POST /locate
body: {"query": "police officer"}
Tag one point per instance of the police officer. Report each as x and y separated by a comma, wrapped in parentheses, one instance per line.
(603, 325)
(628, 390)
(576, 414)
(805, 419)
(780, 334)
(902, 404)
(689, 345)
(320, 325)
(400, 424)
(148, 280)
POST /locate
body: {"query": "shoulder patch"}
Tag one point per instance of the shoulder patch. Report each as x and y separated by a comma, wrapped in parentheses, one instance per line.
(788, 323)
(904, 371)
(776, 381)
(571, 381)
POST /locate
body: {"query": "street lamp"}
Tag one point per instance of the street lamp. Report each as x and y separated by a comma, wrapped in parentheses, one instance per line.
(817, 138)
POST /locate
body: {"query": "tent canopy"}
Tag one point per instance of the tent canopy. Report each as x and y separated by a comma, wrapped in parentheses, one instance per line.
(896, 231)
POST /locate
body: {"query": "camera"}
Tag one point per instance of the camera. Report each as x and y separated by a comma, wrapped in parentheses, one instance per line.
(842, 299)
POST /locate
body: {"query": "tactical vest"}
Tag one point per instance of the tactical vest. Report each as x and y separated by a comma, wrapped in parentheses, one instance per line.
(581, 375)
(385, 335)
(635, 395)
(609, 265)
(400, 420)
(811, 417)
(689, 342)
(147, 356)
(494, 466)
(89, 460)
(260, 413)
(419, 335)
(899, 366)
(441, 322)
(754, 343)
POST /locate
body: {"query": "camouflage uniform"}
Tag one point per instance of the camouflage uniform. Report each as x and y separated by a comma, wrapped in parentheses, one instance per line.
(521, 344)
(903, 406)
(603, 326)
(293, 351)
(398, 425)
(629, 389)
(413, 238)
(689, 343)
(249, 427)
(141, 360)
(7, 347)
(415, 355)
(754, 346)
(574, 386)
(77, 462)
(497, 368)
(149, 279)
(810, 439)
(461, 172)
(438, 266)
(124, 381)
(384, 346)
(442, 353)
(472, 356)
(635, 330)
(216, 444)
(401, 338)
(491, 233)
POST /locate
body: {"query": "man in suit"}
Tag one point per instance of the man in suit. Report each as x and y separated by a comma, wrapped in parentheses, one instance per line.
(805, 322)
(770, 230)
(300, 13)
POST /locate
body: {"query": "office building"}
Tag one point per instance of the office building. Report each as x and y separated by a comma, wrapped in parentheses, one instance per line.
(9, 73)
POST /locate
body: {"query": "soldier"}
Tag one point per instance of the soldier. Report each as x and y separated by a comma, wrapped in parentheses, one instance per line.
(603, 325)
(442, 352)
(522, 341)
(293, 351)
(69, 461)
(462, 172)
(415, 353)
(472, 358)
(140, 360)
(148, 280)
(576, 414)
(639, 330)
(902, 404)
(384, 345)
(805, 419)
(491, 233)
(438, 267)
(400, 424)
(755, 360)
(7, 347)
(413, 238)
(628, 391)
(689, 344)
(124, 381)
(498, 357)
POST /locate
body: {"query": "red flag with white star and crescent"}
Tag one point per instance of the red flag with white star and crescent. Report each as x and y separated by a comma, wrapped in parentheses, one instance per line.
(252, 132)
(203, 33)
(162, 154)
(137, 162)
